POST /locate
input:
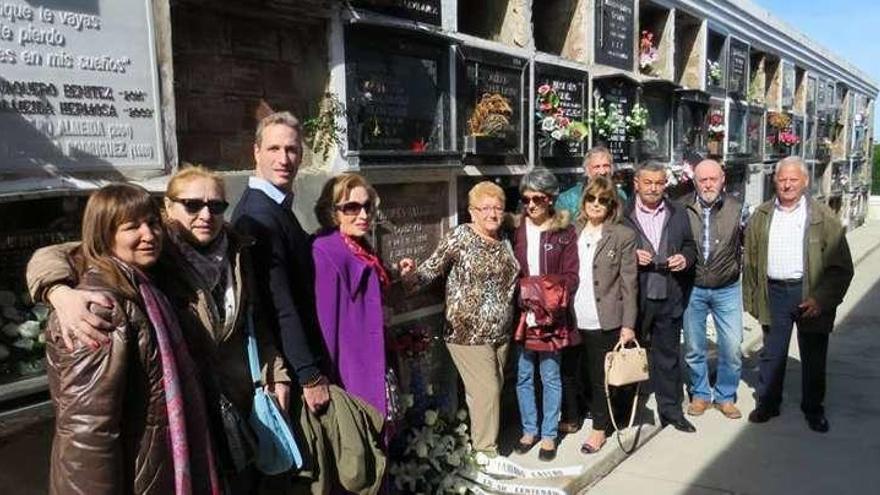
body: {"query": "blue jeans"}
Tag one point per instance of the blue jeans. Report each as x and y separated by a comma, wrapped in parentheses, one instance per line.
(551, 382)
(725, 306)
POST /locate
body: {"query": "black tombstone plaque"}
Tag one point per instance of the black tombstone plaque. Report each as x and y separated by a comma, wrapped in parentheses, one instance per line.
(615, 31)
(427, 11)
(397, 92)
(493, 73)
(571, 86)
(737, 67)
(623, 93)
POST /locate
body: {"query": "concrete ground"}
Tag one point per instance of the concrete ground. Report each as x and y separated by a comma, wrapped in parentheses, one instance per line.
(783, 456)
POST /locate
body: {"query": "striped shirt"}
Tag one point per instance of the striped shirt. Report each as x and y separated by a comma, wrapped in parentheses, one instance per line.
(651, 221)
(785, 250)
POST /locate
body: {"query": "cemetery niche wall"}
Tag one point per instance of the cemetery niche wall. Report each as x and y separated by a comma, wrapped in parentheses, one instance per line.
(561, 102)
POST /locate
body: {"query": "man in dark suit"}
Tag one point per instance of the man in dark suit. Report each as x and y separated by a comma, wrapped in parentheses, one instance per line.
(666, 254)
(283, 276)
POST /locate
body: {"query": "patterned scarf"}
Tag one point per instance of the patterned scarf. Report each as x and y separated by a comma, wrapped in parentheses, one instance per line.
(191, 449)
(208, 263)
(365, 253)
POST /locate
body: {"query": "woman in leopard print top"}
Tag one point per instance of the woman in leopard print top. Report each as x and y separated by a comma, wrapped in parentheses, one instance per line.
(481, 278)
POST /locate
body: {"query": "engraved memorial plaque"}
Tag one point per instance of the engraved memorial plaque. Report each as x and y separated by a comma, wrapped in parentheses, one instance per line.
(615, 29)
(413, 219)
(501, 78)
(427, 11)
(623, 93)
(78, 87)
(737, 67)
(571, 87)
(397, 92)
(788, 78)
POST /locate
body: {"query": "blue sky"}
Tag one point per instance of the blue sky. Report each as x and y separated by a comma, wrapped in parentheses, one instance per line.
(849, 28)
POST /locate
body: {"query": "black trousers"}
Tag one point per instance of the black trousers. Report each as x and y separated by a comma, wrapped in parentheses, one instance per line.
(597, 343)
(664, 356)
(784, 299)
(575, 394)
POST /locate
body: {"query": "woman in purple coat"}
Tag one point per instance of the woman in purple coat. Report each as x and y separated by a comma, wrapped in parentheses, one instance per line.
(349, 280)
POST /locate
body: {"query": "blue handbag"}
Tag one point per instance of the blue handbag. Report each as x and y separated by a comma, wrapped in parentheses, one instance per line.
(277, 450)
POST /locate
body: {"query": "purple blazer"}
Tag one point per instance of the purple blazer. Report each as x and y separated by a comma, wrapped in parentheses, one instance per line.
(349, 302)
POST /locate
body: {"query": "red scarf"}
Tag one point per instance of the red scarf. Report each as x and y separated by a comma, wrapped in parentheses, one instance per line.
(364, 252)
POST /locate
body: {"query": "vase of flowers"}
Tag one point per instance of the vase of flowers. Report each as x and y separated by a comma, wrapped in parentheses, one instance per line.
(489, 125)
(606, 119)
(648, 53)
(713, 72)
(781, 135)
(555, 130)
(715, 132)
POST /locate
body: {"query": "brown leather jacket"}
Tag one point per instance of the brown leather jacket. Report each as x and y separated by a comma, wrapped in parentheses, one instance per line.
(111, 431)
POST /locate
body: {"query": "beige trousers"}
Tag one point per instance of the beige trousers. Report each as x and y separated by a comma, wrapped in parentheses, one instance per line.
(482, 370)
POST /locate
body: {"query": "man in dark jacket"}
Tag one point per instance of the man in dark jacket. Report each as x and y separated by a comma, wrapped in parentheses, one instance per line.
(283, 276)
(666, 255)
(715, 220)
(797, 269)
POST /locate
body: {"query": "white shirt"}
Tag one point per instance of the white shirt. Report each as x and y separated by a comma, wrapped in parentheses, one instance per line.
(585, 311)
(785, 250)
(533, 248)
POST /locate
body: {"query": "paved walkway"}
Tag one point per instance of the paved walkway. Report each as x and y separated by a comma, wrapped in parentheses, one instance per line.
(784, 456)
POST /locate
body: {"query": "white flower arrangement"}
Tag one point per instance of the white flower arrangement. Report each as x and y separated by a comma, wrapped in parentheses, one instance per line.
(679, 173)
(714, 71)
(636, 121)
(606, 119)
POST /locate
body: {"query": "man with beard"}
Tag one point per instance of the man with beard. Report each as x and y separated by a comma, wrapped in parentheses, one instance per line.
(715, 223)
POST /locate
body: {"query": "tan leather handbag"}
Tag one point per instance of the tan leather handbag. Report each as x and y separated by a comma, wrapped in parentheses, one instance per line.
(625, 366)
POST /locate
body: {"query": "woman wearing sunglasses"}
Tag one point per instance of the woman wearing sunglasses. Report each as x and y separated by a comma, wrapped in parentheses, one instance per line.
(545, 244)
(203, 269)
(349, 283)
(605, 304)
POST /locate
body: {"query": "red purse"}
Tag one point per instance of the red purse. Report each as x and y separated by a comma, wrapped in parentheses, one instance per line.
(547, 298)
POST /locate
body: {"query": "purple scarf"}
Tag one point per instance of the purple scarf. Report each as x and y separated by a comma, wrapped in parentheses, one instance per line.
(191, 450)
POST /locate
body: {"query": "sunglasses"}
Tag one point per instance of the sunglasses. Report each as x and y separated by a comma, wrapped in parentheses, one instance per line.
(194, 206)
(354, 208)
(537, 200)
(603, 200)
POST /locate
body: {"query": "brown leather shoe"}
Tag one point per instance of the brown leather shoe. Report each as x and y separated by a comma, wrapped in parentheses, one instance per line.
(697, 407)
(728, 409)
(568, 427)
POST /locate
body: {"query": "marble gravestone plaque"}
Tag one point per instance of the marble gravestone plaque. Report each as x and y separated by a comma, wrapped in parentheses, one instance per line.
(571, 87)
(623, 94)
(412, 220)
(492, 73)
(78, 87)
(737, 67)
(397, 95)
(427, 11)
(615, 31)
(788, 78)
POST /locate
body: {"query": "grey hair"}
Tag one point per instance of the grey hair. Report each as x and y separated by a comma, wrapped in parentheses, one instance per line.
(540, 180)
(598, 150)
(651, 167)
(794, 161)
(282, 118)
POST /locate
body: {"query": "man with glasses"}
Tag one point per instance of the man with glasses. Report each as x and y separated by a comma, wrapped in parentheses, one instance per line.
(666, 254)
(598, 162)
(715, 223)
(284, 275)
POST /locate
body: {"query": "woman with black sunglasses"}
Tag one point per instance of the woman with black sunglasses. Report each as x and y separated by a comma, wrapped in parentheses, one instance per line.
(203, 270)
(606, 304)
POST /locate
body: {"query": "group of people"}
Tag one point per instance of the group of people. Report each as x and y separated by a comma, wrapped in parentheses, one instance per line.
(152, 310)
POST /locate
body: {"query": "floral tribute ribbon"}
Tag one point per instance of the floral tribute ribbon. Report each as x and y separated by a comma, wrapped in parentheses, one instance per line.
(486, 482)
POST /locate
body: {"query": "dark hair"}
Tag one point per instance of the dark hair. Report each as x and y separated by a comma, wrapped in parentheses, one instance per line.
(335, 191)
(107, 209)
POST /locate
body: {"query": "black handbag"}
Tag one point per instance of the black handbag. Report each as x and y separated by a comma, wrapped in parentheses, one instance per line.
(241, 444)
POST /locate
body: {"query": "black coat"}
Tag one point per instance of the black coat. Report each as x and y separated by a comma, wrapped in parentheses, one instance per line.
(680, 240)
(283, 278)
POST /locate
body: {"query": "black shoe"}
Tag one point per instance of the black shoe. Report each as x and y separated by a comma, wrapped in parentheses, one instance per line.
(523, 447)
(817, 422)
(679, 424)
(762, 414)
(547, 454)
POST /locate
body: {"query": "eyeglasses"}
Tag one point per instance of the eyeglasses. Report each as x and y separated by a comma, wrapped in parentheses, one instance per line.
(194, 206)
(354, 208)
(537, 200)
(488, 209)
(603, 200)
